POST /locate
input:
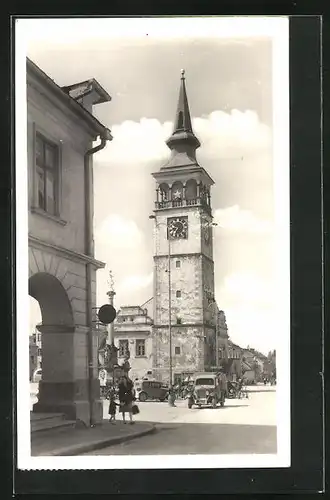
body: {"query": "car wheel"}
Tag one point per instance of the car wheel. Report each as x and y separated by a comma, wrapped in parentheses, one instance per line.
(162, 400)
(214, 403)
(142, 396)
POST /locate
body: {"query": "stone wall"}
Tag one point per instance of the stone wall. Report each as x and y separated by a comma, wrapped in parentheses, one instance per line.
(190, 339)
(187, 280)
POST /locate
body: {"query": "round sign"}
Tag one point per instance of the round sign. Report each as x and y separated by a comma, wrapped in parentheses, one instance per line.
(107, 314)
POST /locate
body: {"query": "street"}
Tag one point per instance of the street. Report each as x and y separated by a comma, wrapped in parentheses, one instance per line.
(242, 426)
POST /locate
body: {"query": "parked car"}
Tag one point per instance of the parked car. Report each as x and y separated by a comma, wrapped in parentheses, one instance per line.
(208, 389)
(150, 389)
(37, 375)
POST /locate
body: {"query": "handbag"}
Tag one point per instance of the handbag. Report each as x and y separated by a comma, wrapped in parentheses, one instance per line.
(135, 409)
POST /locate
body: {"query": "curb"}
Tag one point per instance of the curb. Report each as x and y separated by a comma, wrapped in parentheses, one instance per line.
(97, 445)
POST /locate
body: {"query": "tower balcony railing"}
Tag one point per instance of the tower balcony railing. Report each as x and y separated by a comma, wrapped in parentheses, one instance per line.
(159, 205)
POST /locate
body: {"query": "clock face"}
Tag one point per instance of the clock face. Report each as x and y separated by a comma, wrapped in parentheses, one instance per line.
(178, 227)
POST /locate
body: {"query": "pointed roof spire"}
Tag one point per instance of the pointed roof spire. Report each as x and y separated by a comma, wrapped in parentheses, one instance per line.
(183, 139)
(182, 118)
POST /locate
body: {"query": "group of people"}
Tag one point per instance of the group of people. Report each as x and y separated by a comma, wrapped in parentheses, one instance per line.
(125, 394)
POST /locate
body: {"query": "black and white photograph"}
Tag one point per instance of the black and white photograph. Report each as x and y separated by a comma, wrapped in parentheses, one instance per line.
(153, 256)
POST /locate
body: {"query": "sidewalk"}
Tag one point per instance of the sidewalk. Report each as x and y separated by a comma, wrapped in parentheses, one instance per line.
(70, 441)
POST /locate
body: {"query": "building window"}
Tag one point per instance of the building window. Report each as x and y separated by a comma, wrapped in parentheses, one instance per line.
(123, 347)
(39, 351)
(177, 350)
(47, 170)
(180, 120)
(178, 321)
(140, 347)
(178, 263)
(178, 293)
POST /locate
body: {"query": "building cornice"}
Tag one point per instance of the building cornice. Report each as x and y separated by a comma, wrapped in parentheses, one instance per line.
(131, 332)
(195, 254)
(186, 325)
(64, 252)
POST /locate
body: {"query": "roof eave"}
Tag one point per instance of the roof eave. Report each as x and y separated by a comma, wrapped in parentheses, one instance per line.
(93, 122)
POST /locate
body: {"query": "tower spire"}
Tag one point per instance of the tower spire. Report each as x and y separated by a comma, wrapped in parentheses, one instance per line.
(183, 142)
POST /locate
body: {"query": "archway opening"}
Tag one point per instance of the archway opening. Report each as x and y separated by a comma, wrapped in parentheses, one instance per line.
(191, 189)
(52, 298)
(51, 321)
(164, 191)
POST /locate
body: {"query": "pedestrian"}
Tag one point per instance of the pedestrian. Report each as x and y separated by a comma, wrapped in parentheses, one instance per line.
(126, 397)
(112, 406)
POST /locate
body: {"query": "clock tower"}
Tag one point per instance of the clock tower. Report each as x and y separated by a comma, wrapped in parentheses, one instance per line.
(184, 330)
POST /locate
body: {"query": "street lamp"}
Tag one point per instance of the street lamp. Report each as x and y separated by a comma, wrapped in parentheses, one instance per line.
(171, 401)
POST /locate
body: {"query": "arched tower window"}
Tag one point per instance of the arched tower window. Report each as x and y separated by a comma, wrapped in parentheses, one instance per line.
(177, 192)
(164, 192)
(191, 189)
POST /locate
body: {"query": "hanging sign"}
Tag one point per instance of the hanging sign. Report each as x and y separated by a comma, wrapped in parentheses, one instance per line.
(107, 314)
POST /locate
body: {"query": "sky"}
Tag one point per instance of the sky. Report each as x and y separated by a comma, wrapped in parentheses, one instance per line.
(230, 93)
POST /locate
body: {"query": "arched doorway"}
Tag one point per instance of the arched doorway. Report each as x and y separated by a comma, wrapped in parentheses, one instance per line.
(57, 387)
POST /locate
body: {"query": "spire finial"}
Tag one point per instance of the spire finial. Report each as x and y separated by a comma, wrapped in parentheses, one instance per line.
(111, 282)
(182, 74)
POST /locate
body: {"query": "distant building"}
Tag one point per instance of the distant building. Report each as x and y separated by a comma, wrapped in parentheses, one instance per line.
(33, 355)
(254, 364)
(35, 352)
(230, 358)
(133, 336)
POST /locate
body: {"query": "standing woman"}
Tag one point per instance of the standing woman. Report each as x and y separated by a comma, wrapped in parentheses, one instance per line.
(126, 397)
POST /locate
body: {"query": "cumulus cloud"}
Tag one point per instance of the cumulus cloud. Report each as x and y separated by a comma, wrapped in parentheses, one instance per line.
(232, 135)
(117, 233)
(223, 135)
(136, 142)
(244, 221)
(248, 301)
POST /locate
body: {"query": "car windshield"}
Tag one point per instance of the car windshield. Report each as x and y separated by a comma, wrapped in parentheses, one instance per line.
(204, 381)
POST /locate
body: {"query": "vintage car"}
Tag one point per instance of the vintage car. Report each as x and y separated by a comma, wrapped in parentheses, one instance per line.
(150, 389)
(208, 389)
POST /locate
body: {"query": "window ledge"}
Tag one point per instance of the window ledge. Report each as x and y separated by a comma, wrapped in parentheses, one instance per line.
(54, 218)
(141, 356)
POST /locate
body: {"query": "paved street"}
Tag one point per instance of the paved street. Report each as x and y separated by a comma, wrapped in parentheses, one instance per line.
(242, 426)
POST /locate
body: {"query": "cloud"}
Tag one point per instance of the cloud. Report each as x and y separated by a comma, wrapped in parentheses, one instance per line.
(117, 233)
(223, 135)
(243, 221)
(232, 135)
(248, 288)
(248, 301)
(136, 142)
(135, 282)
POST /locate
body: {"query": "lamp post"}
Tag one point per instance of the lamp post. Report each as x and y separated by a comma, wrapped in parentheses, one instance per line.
(171, 397)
